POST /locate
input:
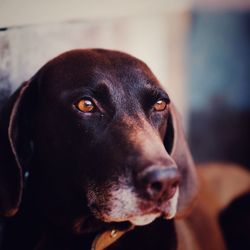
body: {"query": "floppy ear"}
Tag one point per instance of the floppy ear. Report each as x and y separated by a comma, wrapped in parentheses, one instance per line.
(176, 145)
(15, 147)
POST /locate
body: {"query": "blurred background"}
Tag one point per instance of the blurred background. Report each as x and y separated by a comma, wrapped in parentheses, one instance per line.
(199, 50)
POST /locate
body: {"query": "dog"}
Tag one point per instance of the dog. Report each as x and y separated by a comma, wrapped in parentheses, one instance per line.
(93, 156)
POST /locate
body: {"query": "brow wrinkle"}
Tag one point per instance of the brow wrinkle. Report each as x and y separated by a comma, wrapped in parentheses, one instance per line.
(156, 92)
(102, 91)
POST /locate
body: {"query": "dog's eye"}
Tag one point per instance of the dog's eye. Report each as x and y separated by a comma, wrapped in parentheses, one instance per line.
(160, 105)
(85, 105)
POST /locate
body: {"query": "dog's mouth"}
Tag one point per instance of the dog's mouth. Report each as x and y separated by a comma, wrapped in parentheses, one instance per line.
(140, 219)
(144, 219)
(125, 206)
(147, 216)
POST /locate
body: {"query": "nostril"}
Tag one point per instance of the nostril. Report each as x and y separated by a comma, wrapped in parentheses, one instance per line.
(175, 184)
(156, 186)
(154, 189)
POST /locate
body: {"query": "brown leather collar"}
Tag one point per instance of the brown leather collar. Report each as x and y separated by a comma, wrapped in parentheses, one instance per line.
(105, 239)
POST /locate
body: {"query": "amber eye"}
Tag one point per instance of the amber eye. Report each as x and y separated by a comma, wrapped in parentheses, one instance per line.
(85, 105)
(160, 105)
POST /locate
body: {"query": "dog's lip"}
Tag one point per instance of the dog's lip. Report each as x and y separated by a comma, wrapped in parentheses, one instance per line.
(149, 216)
(144, 219)
(147, 212)
(161, 208)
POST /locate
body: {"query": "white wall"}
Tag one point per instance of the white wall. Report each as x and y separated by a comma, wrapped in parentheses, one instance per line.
(152, 30)
(23, 12)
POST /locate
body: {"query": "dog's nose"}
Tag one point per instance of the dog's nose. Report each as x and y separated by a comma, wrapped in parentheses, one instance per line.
(160, 183)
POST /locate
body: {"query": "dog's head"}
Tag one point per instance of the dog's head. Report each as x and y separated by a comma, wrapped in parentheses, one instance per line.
(100, 138)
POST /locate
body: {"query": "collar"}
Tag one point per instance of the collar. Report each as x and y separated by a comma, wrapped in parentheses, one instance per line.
(107, 238)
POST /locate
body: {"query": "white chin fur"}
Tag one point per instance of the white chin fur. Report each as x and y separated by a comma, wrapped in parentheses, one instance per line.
(144, 219)
(124, 203)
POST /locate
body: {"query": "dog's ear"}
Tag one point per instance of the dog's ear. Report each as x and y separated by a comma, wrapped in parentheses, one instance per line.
(15, 147)
(176, 145)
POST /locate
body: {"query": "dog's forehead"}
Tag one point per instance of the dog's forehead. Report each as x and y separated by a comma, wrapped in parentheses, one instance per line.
(89, 68)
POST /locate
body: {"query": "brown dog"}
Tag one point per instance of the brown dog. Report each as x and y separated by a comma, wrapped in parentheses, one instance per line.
(93, 156)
